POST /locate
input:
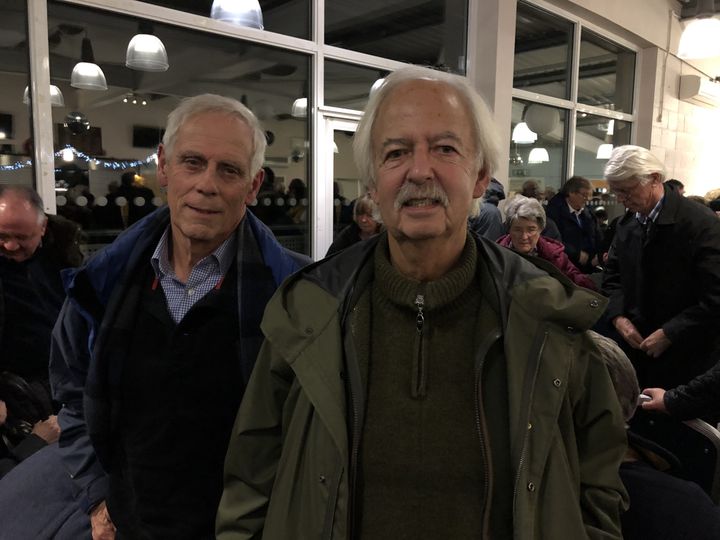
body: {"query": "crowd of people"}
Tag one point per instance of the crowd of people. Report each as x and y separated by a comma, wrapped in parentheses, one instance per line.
(462, 364)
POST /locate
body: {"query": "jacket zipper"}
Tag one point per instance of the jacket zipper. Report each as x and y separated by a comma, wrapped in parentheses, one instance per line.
(528, 394)
(480, 421)
(417, 388)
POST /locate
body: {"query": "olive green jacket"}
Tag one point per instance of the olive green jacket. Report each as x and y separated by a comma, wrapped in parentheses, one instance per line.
(289, 471)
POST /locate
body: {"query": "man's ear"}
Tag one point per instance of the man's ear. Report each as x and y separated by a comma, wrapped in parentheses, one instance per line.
(481, 184)
(162, 164)
(256, 183)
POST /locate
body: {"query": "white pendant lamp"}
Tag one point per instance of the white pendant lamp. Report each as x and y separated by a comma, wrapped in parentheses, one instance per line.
(299, 108)
(604, 151)
(538, 155)
(700, 37)
(522, 135)
(56, 97)
(146, 52)
(86, 74)
(240, 12)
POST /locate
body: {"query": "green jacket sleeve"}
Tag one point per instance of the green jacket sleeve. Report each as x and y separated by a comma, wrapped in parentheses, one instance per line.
(601, 442)
(254, 450)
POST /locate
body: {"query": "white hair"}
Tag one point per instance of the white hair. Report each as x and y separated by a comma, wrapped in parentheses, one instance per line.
(630, 161)
(207, 103)
(525, 207)
(484, 130)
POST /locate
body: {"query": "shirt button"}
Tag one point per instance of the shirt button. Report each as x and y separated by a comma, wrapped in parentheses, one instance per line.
(190, 292)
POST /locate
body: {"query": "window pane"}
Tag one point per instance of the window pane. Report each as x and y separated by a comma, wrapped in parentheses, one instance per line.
(348, 86)
(117, 130)
(595, 136)
(289, 17)
(606, 73)
(432, 33)
(543, 52)
(541, 159)
(15, 124)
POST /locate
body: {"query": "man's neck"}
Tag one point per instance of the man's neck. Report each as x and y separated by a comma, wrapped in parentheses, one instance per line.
(426, 260)
(184, 254)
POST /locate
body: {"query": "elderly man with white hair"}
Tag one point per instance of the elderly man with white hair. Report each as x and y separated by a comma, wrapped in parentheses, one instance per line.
(662, 273)
(427, 383)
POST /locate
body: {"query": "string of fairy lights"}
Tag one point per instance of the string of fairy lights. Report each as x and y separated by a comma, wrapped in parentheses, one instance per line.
(70, 154)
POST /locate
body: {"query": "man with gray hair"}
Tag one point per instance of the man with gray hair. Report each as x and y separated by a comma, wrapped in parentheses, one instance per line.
(160, 331)
(662, 273)
(441, 386)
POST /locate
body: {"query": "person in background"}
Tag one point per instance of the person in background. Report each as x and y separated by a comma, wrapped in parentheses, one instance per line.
(677, 185)
(662, 506)
(424, 383)
(366, 224)
(530, 188)
(158, 336)
(525, 220)
(34, 248)
(662, 273)
(577, 225)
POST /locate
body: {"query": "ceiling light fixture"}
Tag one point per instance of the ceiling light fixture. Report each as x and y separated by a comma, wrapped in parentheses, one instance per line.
(699, 39)
(604, 151)
(538, 155)
(299, 108)
(86, 74)
(146, 52)
(56, 97)
(240, 12)
(522, 135)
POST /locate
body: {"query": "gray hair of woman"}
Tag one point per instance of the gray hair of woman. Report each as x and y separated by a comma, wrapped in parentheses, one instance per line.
(525, 207)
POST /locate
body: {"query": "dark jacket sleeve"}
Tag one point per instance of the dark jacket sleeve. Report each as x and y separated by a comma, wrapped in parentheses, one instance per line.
(612, 284)
(706, 272)
(69, 361)
(700, 397)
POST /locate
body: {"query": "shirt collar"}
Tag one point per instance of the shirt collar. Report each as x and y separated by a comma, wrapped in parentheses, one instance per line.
(654, 213)
(222, 256)
(572, 210)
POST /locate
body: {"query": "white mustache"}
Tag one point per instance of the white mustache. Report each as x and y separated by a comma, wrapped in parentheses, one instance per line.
(428, 190)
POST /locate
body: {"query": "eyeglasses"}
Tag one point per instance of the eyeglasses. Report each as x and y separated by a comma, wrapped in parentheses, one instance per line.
(624, 193)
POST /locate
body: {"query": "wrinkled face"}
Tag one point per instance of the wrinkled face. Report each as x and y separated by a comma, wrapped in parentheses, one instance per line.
(208, 178)
(366, 222)
(21, 228)
(578, 199)
(524, 234)
(426, 174)
(638, 197)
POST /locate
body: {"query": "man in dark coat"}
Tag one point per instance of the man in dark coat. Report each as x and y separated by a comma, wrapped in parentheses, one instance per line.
(577, 225)
(662, 274)
(33, 250)
(159, 334)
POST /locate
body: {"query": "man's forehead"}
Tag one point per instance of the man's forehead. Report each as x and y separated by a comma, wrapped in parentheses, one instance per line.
(17, 212)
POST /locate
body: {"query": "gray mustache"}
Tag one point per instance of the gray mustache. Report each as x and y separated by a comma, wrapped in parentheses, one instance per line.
(428, 190)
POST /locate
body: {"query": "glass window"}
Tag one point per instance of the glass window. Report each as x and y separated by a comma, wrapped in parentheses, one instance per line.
(432, 33)
(113, 131)
(15, 125)
(543, 52)
(606, 73)
(348, 86)
(289, 17)
(537, 146)
(595, 137)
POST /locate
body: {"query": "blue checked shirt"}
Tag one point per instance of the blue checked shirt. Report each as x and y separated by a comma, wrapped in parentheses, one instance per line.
(205, 275)
(652, 216)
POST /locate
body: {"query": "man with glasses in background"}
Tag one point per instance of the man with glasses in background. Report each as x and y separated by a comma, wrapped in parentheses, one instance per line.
(578, 226)
(662, 273)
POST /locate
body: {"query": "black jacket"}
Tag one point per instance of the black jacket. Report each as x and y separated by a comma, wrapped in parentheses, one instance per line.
(576, 237)
(669, 279)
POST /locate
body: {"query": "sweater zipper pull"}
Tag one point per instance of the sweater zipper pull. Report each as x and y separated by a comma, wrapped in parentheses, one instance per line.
(420, 317)
(417, 383)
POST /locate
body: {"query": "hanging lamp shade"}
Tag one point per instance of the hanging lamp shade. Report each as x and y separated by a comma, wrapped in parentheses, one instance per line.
(56, 97)
(541, 119)
(522, 135)
(604, 151)
(146, 52)
(86, 74)
(700, 39)
(240, 12)
(538, 155)
(299, 108)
